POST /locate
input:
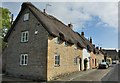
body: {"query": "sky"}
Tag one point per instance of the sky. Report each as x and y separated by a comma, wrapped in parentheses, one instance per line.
(98, 20)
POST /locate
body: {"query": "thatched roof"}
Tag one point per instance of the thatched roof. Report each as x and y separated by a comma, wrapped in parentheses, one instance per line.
(53, 26)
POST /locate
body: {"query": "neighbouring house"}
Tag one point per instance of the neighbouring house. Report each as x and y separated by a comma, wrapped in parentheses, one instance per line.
(111, 53)
(40, 47)
(89, 52)
(99, 55)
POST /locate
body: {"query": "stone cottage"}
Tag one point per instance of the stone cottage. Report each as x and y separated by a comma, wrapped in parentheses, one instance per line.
(40, 47)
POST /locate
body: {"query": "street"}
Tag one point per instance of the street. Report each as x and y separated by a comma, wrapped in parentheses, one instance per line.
(113, 75)
(110, 74)
(93, 75)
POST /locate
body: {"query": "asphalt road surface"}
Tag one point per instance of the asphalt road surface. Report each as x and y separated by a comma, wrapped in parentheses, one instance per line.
(110, 74)
(113, 75)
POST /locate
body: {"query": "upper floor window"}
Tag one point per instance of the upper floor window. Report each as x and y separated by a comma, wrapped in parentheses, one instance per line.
(57, 40)
(75, 47)
(65, 43)
(24, 36)
(24, 59)
(57, 60)
(26, 16)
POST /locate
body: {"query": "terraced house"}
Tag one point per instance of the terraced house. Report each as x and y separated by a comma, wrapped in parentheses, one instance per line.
(41, 47)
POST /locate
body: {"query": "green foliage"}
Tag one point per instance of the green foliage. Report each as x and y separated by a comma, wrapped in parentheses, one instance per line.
(5, 17)
(4, 25)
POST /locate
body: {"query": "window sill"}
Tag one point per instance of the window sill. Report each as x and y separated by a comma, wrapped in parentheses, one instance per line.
(56, 65)
(24, 42)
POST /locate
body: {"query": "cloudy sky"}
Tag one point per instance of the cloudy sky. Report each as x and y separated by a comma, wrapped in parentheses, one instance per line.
(98, 20)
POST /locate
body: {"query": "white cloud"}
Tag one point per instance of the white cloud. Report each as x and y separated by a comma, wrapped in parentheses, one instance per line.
(80, 12)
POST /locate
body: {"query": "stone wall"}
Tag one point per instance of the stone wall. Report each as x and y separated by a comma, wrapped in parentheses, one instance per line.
(36, 48)
(67, 55)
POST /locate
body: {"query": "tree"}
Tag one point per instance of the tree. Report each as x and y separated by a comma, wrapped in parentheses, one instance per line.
(5, 16)
(5, 24)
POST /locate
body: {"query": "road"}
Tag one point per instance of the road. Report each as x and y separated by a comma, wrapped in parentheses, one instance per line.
(95, 75)
(113, 75)
(101, 75)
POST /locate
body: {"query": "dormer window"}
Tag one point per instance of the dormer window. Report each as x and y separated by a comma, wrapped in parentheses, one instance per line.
(26, 16)
(75, 47)
(57, 40)
(65, 43)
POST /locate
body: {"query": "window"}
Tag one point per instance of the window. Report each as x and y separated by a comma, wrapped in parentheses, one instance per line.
(57, 60)
(24, 36)
(65, 43)
(26, 16)
(75, 47)
(57, 40)
(75, 61)
(24, 59)
(92, 61)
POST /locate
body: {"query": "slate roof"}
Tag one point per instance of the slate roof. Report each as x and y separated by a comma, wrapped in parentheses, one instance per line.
(110, 51)
(53, 26)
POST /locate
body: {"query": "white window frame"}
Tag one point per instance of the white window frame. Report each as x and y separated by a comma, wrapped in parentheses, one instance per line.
(26, 16)
(75, 47)
(75, 61)
(23, 61)
(57, 40)
(25, 36)
(57, 60)
(65, 43)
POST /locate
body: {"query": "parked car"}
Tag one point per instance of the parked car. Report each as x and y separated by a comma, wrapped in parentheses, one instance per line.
(104, 65)
(114, 62)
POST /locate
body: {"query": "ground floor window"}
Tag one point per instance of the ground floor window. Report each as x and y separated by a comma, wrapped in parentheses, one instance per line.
(75, 61)
(57, 60)
(24, 59)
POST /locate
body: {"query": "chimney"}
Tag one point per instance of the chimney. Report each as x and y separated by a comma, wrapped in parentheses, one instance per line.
(82, 33)
(100, 48)
(90, 40)
(97, 48)
(70, 25)
(93, 45)
(44, 11)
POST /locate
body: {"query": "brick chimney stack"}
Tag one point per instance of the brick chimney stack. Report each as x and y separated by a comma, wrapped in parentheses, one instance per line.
(70, 25)
(90, 40)
(82, 33)
(44, 11)
(97, 48)
(93, 45)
